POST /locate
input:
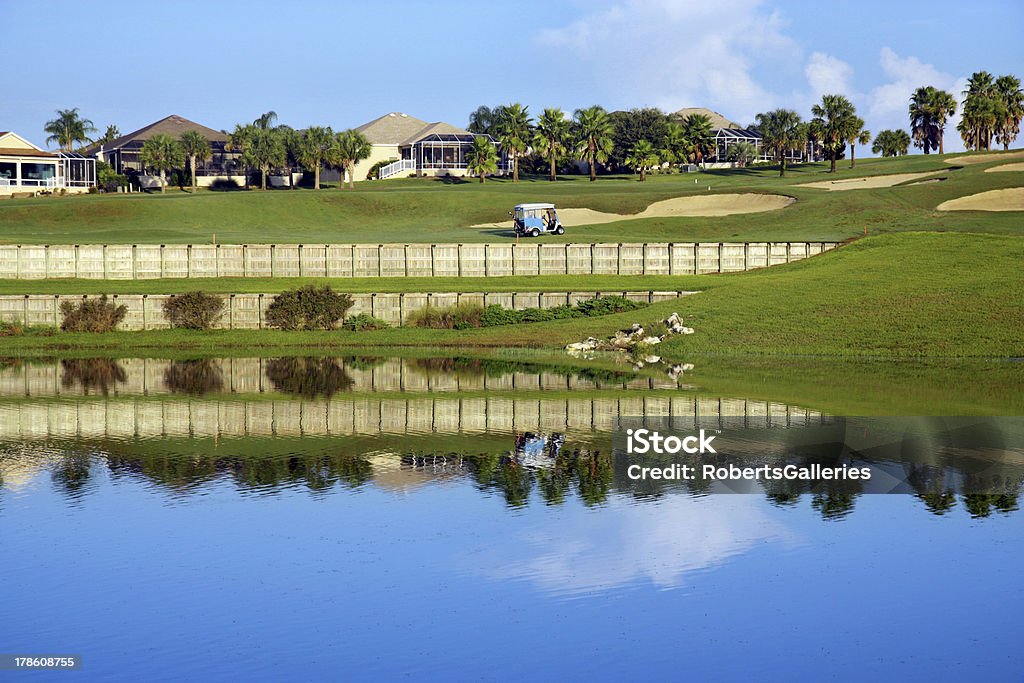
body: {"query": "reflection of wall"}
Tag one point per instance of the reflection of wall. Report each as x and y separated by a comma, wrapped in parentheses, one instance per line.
(127, 418)
(248, 376)
(249, 311)
(142, 261)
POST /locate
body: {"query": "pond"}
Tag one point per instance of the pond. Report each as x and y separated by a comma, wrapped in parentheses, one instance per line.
(381, 517)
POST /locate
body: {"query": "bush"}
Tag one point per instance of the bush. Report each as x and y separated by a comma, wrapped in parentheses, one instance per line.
(375, 169)
(362, 322)
(225, 185)
(193, 310)
(458, 317)
(91, 315)
(606, 305)
(308, 308)
(19, 330)
(495, 315)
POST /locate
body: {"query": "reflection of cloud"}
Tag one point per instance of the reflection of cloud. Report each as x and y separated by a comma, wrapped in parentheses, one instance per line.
(628, 542)
(20, 466)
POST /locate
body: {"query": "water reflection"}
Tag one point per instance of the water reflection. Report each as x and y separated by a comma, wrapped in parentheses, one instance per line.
(91, 375)
(194, 377)
(309, 377)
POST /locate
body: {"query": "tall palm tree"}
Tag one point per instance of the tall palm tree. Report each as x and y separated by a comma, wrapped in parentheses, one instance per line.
(641, 157)
(68, 128)
(319, 148)
(265, 150)
(943, 105)
(982, 112)
(834, 119)
(195, 148)
(482, 157)
(353, 147)
(593, 133)
(856, 133)
(675, 150)
(239, 140)
(700, 143)
(782, 131)
(161, 153)
(552, 137)
(923, 123)
(1008, 90)
(266, 120)
(514, 133)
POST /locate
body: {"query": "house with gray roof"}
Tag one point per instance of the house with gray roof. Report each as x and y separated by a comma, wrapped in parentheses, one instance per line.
(417, 148)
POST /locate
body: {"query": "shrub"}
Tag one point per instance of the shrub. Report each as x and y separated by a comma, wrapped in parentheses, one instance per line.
(193, 310)
(91, 315)
(458, 317)
(375, 169)
(361, 322)
(606, 305)
(225, 185)
(495, 315)
(20, 330)
(308, 308)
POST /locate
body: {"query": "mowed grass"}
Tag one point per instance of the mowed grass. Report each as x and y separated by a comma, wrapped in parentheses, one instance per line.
(892, 296)
(439, 211)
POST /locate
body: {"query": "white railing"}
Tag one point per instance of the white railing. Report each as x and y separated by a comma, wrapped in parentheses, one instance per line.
(396, 167)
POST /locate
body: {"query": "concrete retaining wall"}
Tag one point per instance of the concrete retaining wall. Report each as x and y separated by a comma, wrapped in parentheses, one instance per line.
(148, 261)
(249, 311)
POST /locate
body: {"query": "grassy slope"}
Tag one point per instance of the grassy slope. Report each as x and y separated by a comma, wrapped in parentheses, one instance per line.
(907, 295)
(424, 210)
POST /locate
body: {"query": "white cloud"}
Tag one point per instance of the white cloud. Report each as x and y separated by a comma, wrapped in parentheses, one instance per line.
(887, 103)
(827, 74)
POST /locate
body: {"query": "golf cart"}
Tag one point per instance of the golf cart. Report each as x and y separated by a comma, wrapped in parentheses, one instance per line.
(534, 219)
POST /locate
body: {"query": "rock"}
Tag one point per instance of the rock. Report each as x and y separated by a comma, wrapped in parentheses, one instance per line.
(687, 367)
(652, 359)
(686, 330)
(651, 340)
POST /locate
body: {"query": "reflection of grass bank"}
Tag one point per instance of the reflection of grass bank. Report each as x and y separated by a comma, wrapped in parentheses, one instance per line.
(908, 295)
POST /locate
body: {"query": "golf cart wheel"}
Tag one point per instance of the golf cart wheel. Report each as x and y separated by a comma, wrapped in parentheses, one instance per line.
(559, 230)
(535, 233)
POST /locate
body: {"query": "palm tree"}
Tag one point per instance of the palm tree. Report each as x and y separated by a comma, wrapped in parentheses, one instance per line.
(266, 120)
(593, 133)
(675, 143)
(292, 140)
(482, 157)
(196, 148)
(891, 143)
(162, 153)
(929, 110)
(552, 136)
(742, 153)
(857, 133)
(782, 131)
(514, 133)
(239, 140)
(1008, 90)
(835, 119)
(982, 113)
(68, 128)
(642, 156)
(353, 147)
(319, 148)
(265, 150)
(943, 105)
(700, 143)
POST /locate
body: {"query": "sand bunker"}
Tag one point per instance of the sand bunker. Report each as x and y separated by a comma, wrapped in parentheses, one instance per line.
(1019, 166)
(868, 182)
(1011, 199)
(982, 158)
(698, 205)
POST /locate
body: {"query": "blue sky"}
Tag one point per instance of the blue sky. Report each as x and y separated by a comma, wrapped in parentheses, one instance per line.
(344, 63)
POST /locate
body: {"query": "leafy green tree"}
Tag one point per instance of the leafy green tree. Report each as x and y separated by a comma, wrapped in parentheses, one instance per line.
(319, 148)
(743, 153)
(700, 143)
(552, 137)
(483, 119)
(68, 128)
(161, 153)
(641, 157)
(629, 127)
(352, 147)
(264, 150)
(593, 133)
(514, 133)
(782, 131)
(835, 119)
(109, 135)
(1008, 90)
(674, 148)
(857, 134)
(482, 157)
(891, 143)
(195, 148)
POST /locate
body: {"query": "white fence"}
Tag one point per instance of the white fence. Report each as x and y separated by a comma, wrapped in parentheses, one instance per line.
(249, 311)
(150, 261)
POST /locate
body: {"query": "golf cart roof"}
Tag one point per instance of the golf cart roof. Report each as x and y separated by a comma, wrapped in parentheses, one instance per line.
(534, 206)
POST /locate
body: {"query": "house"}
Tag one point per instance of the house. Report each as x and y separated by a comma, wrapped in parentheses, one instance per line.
(123, 154)
(27, 168)
(416, 147)
(729, 133)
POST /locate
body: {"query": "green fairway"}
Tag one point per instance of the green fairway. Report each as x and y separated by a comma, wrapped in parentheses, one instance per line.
(907, 295)
(434, 210)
